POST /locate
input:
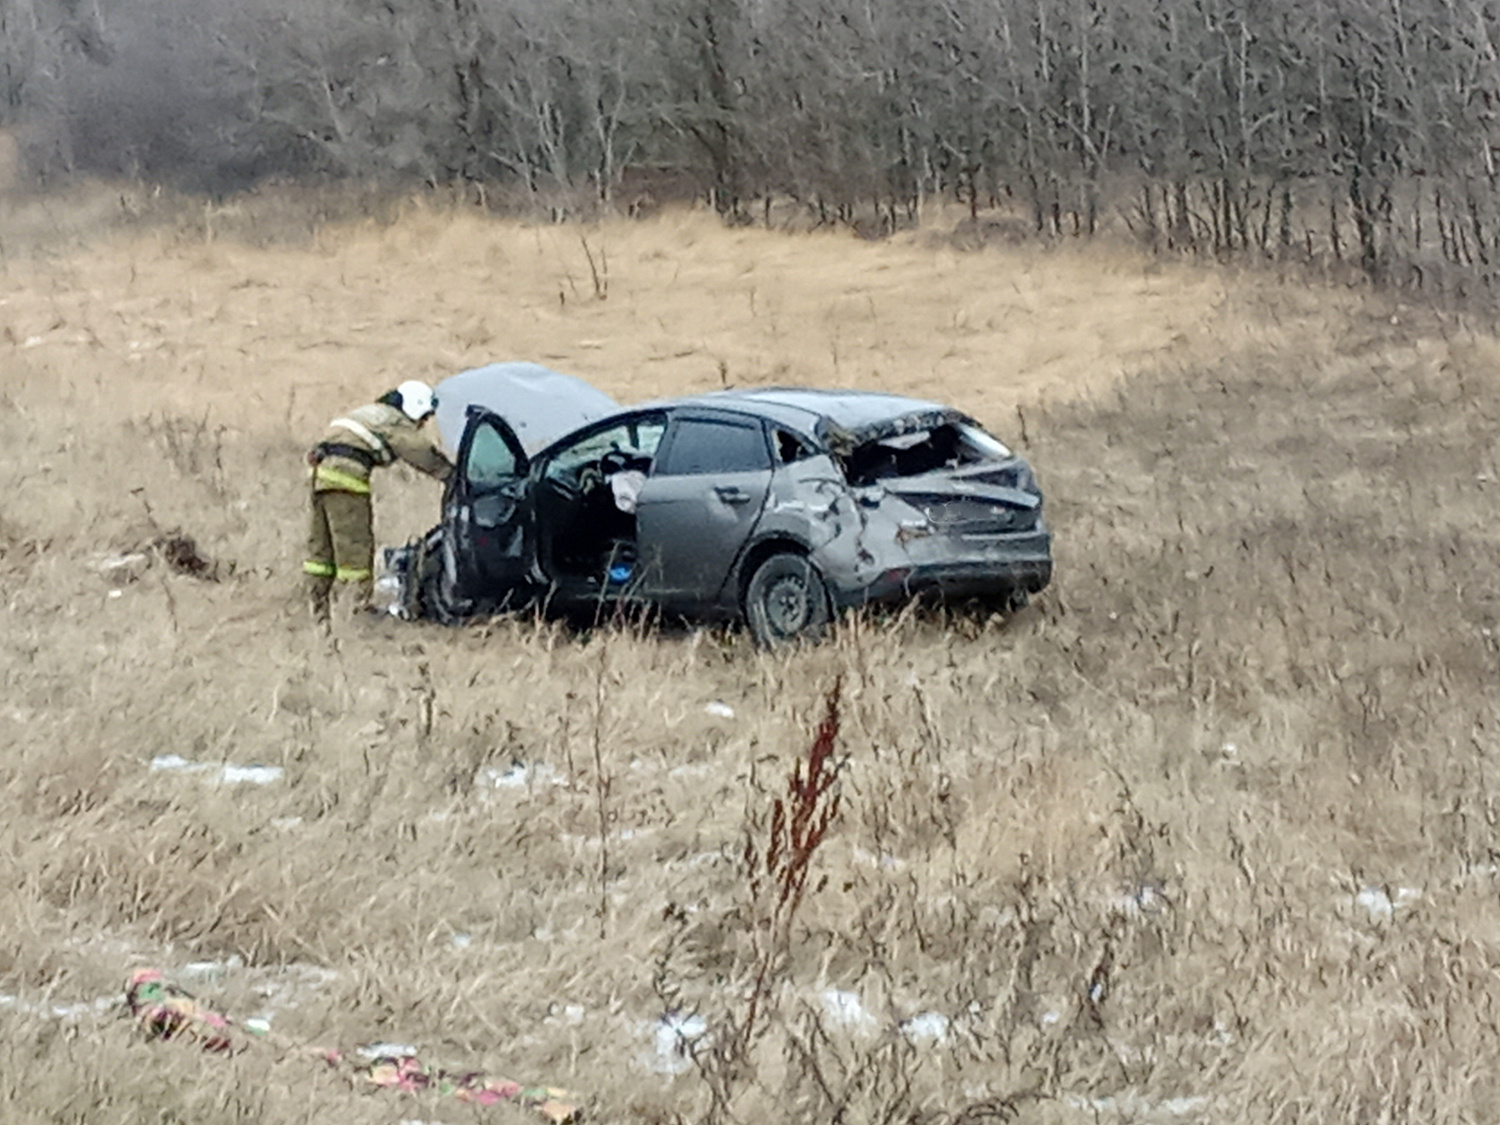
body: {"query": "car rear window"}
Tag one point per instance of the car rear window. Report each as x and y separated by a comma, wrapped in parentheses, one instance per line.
(699, 446)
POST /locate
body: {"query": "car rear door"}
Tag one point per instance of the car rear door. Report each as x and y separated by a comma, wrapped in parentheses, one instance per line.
(484, 509)
(702, 500)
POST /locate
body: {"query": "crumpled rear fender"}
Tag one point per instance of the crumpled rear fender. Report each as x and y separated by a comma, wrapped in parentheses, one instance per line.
(852, 536)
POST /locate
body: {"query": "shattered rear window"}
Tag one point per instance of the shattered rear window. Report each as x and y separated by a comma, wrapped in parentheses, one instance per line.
(914, 452)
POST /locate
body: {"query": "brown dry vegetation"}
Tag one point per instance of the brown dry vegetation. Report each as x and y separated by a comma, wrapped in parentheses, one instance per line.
(1135, 844)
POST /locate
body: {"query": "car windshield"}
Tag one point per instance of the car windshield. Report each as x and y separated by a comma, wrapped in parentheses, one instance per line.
(910, 454)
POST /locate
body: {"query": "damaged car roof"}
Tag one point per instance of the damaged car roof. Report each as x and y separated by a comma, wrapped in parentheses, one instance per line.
(861, 414)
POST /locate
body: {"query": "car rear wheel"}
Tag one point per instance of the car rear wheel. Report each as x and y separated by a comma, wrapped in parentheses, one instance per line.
(786, 601)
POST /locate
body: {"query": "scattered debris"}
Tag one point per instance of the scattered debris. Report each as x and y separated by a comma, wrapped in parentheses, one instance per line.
(177, 550)
(164, 1011)
(180, 552)
(125, 566)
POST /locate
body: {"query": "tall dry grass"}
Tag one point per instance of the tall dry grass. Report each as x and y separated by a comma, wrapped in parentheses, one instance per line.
(1206, 834)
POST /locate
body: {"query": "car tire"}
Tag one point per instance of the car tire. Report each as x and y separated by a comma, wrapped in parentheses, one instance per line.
(786, 601)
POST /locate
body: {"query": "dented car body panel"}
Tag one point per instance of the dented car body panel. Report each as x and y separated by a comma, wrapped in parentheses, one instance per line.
(779, 506)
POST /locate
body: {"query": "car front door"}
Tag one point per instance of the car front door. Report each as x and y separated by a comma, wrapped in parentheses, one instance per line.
(483, 509)
(699, 506)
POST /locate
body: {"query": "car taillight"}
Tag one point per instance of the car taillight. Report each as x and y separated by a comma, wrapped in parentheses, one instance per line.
(895, 576)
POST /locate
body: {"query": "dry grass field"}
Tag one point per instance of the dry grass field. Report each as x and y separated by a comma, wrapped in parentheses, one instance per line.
(1206, 834)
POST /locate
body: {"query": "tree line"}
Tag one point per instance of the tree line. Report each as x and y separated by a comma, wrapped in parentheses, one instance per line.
(1355, 130)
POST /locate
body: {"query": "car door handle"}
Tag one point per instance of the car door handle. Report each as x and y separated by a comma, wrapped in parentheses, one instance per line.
(731, 494)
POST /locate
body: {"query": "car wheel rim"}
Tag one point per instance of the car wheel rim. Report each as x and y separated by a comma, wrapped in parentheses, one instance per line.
(787, 605)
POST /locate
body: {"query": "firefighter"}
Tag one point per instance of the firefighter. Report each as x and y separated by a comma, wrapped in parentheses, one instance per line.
(341, 546)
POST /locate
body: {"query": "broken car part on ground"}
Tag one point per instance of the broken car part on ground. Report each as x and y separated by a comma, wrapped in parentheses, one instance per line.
(777, 506)
(164, 1011)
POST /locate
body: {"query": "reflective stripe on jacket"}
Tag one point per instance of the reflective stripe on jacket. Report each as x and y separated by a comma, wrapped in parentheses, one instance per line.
(384, 434)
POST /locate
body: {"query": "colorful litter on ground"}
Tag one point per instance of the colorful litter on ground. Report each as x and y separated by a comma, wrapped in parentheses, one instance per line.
(165, 1011)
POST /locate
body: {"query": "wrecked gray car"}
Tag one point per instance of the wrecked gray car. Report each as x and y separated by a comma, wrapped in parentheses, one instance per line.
(778, 507)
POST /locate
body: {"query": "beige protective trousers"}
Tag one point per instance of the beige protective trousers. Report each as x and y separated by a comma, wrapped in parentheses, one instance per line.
(340, 548)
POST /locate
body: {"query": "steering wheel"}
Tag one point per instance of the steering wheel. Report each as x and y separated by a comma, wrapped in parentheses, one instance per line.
(590, 477)
(615, 461)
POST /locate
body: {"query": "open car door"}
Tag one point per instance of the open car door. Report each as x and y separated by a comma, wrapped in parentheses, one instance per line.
(485, 561)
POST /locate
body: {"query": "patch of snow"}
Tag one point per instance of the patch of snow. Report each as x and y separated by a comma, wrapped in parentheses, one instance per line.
(176, 763)
(844, 1009)
(387, 1050)
(1377, 903)
(130, 563)
(518, 775)
(673, 1036)
(719, 710)
(286, 986)
(884, 860)
(926, 1027)
(98, 1007)
(210, 970)
(1146, 901)
(225, 774)
(570, 1014)
(251, 775)
(1131, 1106)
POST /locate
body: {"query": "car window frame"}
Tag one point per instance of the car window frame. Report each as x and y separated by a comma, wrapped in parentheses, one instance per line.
(544, 461)
(501, 430)
(714, 417)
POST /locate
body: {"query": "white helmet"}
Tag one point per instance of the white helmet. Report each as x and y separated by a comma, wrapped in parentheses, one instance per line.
(418, 400)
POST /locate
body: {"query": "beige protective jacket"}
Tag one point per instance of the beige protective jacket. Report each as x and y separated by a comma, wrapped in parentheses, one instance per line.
(365, 439)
